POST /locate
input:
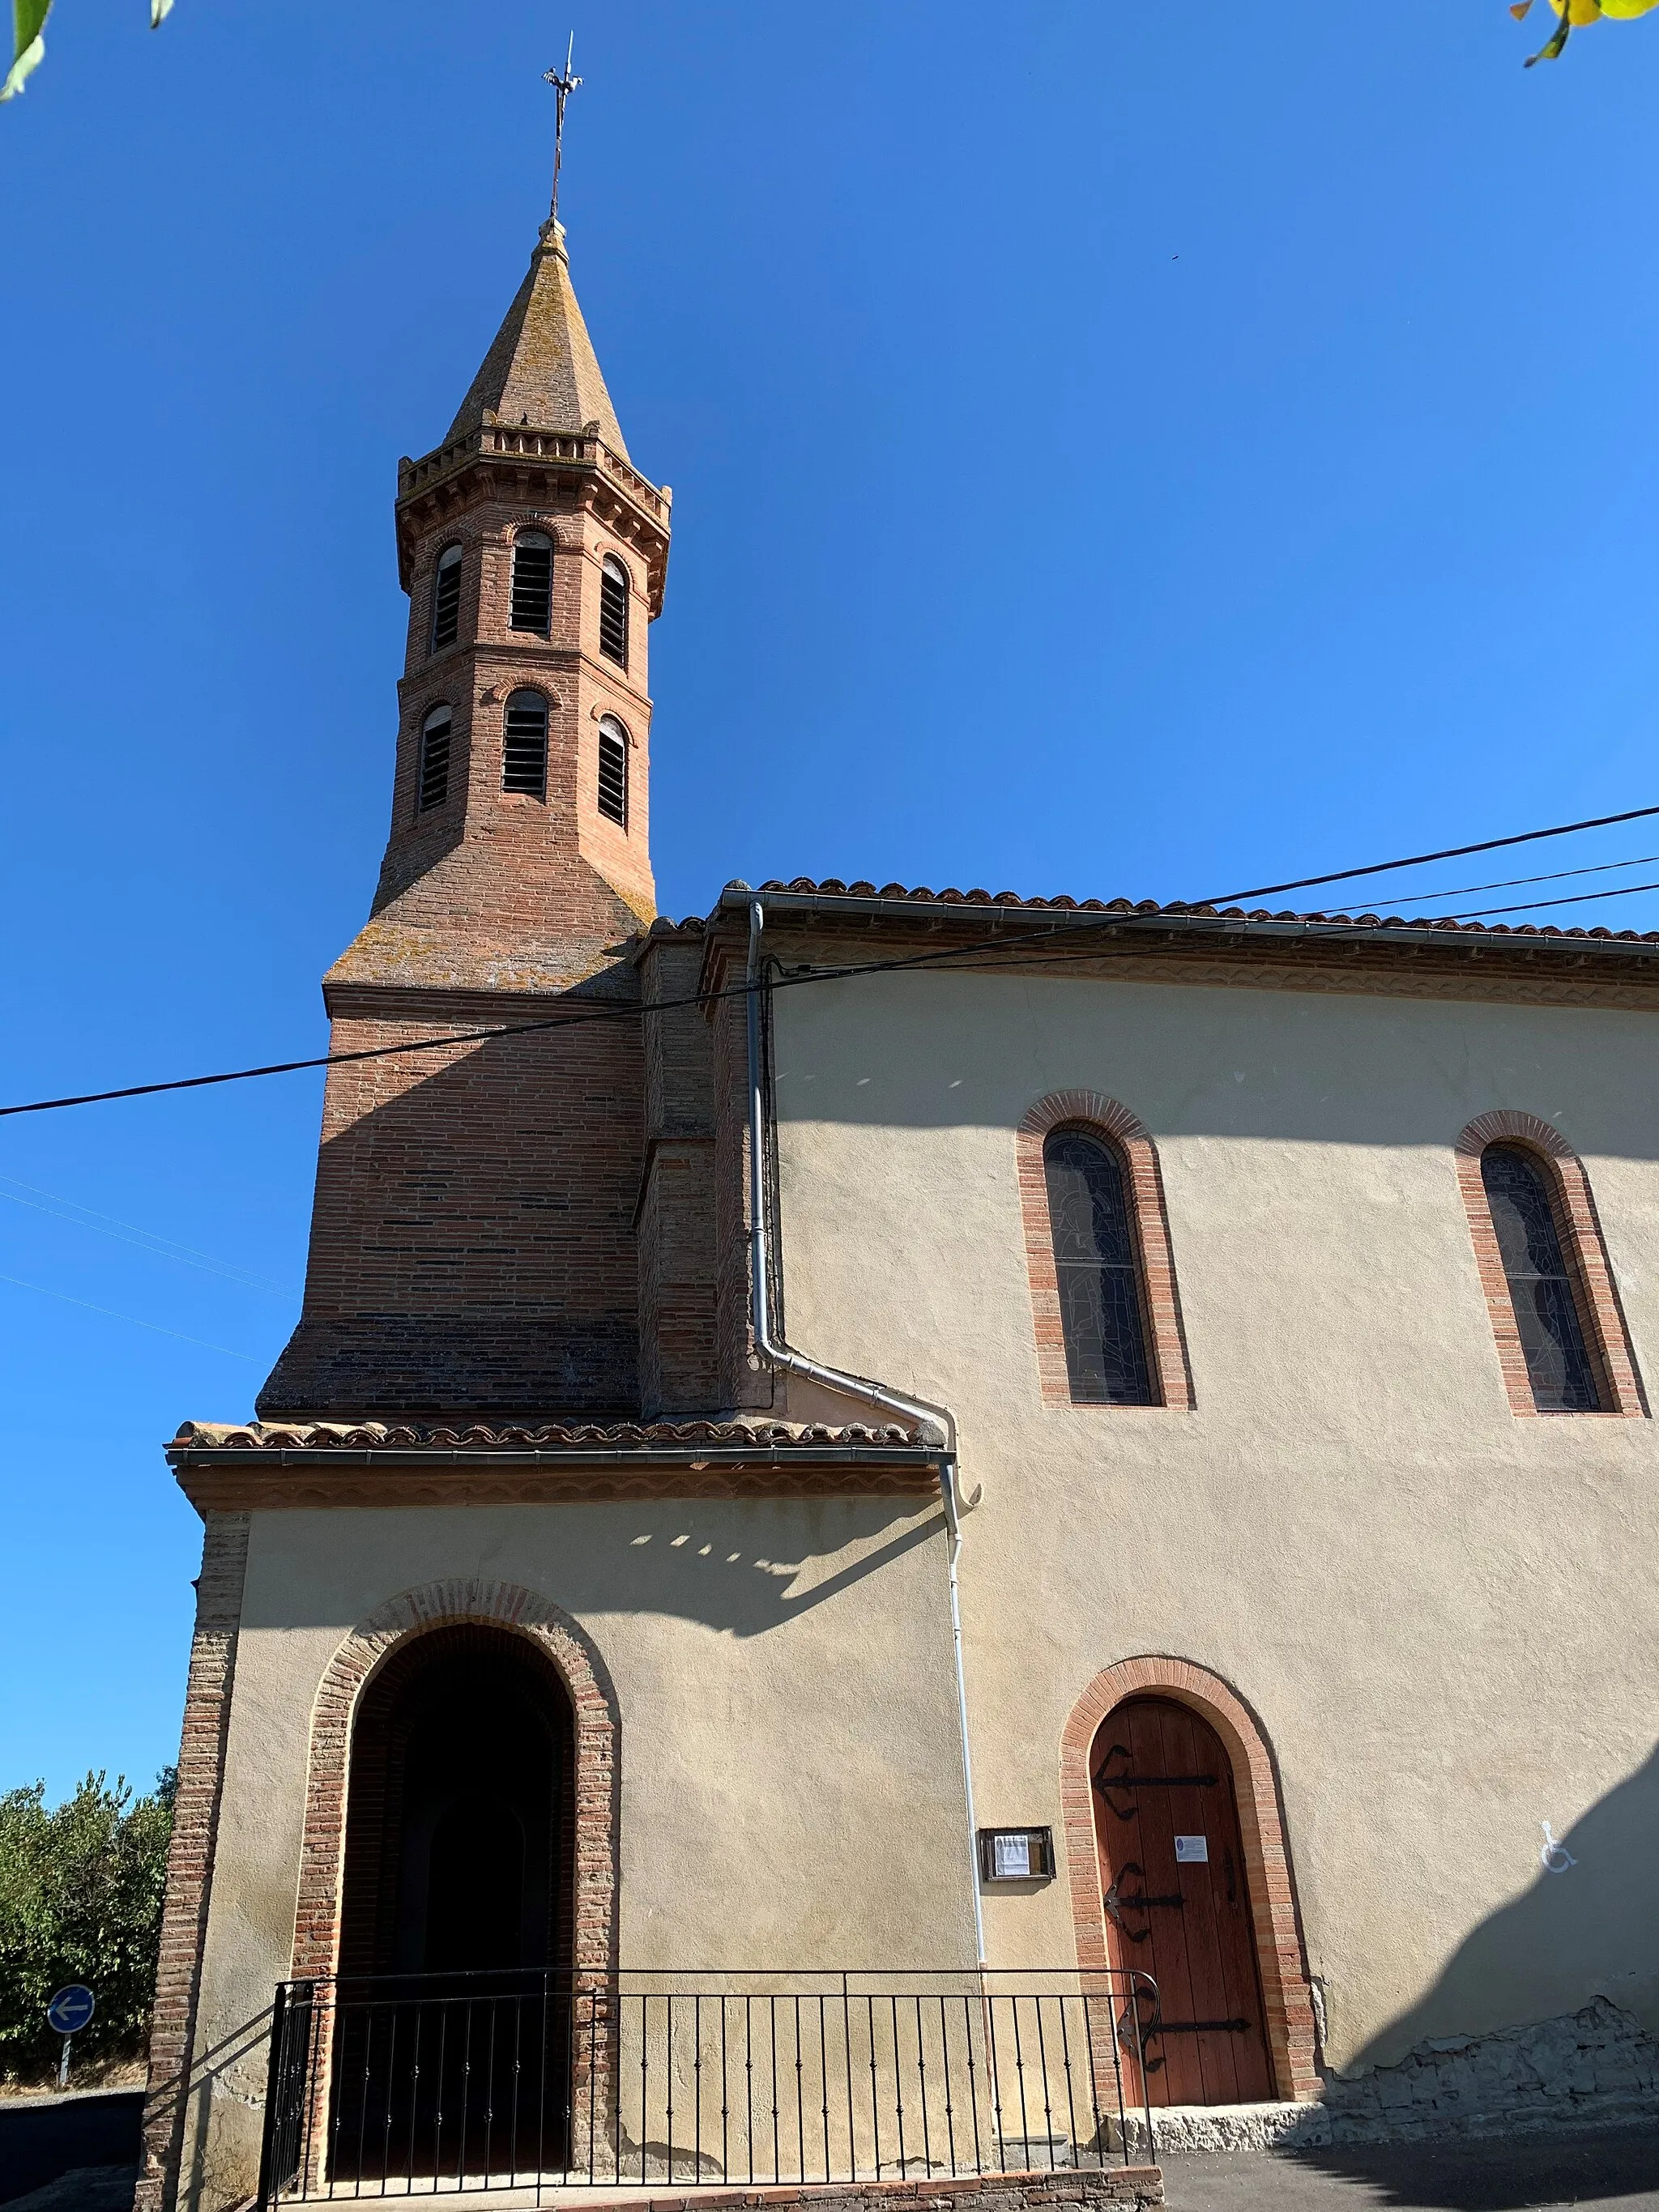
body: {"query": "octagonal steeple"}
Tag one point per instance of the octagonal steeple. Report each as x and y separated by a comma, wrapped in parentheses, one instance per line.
(542, 368)
(534, 554)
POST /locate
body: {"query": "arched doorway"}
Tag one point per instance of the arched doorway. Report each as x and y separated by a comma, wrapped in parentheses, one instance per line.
(1174, 1889)
(453, 2028)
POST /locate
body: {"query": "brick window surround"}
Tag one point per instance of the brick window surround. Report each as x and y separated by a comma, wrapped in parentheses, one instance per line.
(1286, 1995)
(1605, 1336)
(598, 1785)
(1166, 1347)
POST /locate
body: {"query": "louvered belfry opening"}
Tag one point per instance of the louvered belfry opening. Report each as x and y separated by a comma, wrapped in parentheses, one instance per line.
(435, 734)
(613, 610)
(1548, 1320)
(532, 583)
(613, 772)
(523, 744)
(446, 599)
(1098, 1271)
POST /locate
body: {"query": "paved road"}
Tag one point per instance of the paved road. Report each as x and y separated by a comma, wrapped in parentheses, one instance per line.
(87, 2189)
(1616, 2170)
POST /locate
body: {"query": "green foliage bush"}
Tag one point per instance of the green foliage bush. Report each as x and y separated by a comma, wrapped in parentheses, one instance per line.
(81, 1892)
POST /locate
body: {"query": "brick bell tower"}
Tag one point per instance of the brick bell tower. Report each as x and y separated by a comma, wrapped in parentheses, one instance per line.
(472, 1243)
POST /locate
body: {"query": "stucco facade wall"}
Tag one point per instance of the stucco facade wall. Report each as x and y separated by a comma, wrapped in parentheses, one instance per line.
(1446, 1617)
(791, 1773)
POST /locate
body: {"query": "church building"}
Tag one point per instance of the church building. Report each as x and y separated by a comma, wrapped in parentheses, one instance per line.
(884, 1456)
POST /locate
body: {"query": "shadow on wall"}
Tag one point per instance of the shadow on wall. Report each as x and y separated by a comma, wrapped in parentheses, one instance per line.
(1591, 1930)
(698, 1574)
(937, 1050)
(467, 1255)
(743, 1566)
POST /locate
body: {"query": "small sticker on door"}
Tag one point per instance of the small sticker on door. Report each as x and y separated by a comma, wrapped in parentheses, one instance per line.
(1191, 1850)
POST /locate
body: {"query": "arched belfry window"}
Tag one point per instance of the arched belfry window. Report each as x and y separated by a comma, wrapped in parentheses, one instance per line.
(613, 771)
(532, 582)
(1098, 1270)
(613, 610)
(447, 599)
(435, 733)
(523, 744)
(1554, 1341)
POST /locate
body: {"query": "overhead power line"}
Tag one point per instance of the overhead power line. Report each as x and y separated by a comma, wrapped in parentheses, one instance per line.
(110, 1314)
(128, 1232)
(1535, 906)
(1422, 859)
(633, 1011)
(1510, 883)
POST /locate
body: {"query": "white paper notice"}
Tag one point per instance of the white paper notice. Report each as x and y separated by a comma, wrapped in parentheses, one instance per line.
(1192, 1849)
(1011, 1858)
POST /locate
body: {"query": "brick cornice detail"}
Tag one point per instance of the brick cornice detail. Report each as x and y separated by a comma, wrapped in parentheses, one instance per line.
(1601, 1316)
(223, 1488)
(1286, 1995)
(1166, 1343)
(597, 1727)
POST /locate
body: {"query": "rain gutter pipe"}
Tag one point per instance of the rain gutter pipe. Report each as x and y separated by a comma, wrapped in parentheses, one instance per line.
(935, 1421)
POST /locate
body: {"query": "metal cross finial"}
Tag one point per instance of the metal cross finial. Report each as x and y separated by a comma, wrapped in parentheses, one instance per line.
(563, 84)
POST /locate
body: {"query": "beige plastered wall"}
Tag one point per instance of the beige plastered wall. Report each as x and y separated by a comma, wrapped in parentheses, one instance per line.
(791, 1772)
(1446, 1617)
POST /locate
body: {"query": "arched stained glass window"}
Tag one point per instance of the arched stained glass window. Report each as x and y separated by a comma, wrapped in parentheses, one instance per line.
(1546, 1316)
(1098, 1271)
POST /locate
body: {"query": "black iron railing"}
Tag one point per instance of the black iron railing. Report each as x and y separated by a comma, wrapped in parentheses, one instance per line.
(436, 2083)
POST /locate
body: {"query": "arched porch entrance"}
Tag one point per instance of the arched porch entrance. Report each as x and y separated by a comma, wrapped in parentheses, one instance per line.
(453, 2032)
(461, 1816)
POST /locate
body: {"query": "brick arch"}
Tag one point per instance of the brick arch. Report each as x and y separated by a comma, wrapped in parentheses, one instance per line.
(1092, 1110)
(439, 541)
(1286, 1989)
(597, 1727)
(1581, 1245)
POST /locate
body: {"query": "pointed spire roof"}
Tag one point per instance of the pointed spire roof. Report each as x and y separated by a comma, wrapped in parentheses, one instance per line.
(542, 367)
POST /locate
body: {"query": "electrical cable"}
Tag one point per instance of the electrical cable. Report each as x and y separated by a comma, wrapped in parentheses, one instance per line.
(1422, 859)
(110, 1314)
(633, 1011)
(1509, 883)
(140, 1240)
(1534, 906)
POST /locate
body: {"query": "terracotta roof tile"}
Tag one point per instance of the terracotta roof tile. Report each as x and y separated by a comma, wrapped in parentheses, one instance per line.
(832, 887)
(555, 1436)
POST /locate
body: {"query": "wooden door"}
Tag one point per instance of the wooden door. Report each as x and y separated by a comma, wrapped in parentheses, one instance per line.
(1177, 1907)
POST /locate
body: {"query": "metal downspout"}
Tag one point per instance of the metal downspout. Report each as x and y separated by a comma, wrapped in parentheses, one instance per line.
(935, 1421)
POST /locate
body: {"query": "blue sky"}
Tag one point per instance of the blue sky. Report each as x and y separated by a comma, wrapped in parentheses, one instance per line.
(1149, 454)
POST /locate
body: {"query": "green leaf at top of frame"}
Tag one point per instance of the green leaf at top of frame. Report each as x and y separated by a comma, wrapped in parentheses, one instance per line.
(29, 46)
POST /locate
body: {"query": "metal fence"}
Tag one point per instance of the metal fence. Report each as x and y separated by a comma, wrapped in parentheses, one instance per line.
(433, 2084)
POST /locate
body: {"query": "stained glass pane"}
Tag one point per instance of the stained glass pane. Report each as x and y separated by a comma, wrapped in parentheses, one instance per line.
(1546, 1317)
(1099, 1281)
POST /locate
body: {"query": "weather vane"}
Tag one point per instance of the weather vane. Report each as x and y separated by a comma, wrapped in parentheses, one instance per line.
(563, 84)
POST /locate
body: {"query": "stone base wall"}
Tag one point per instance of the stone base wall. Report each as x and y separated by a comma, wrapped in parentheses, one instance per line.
(1107, 2189)
(1593, 2068)
(1597, 2064)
